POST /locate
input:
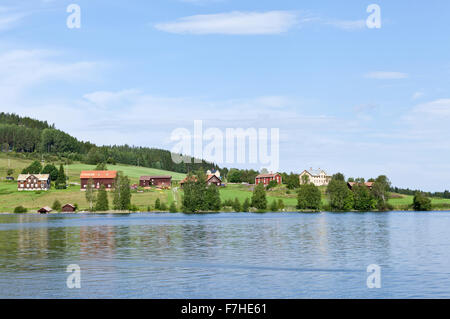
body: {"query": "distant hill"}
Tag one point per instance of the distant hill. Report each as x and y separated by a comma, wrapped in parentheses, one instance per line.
(27, 135)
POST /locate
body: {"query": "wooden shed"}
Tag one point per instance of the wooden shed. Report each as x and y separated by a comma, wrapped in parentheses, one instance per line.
(45, 210)
(68, 208)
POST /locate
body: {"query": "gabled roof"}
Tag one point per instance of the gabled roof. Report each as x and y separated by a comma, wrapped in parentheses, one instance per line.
(45, 209)
(147, 178)
(41, 177)
(267, 175)
(212, 176)
(314, 172)
(98, 174)
(69, 205)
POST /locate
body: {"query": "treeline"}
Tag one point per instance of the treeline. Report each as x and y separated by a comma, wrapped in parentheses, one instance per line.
(407, 191)
(342, 198)
(26, 135)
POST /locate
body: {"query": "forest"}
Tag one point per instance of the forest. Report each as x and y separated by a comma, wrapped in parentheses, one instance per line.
(25, 135)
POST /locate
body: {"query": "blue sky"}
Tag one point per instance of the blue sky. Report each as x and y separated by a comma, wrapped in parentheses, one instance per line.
(345, 97)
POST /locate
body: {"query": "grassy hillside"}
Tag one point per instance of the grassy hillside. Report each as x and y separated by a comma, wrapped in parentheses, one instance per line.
(11, 198)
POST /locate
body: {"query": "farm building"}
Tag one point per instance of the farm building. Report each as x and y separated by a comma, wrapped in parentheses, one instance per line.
(158, 181)
(68, 208)
(33, 182)
(267, 178)
(105, 178)
(317, 177)
(45, 210)
(213, 179)
(210, 179)
(351, 184)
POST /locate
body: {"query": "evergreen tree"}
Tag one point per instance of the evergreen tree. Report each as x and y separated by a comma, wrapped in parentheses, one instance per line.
(52, 171)
(61, 180)
(246, 205)
(157, 204)
(309, 197)
(259, 200)
(102, 203)
(101, 167)
(212, 198)
(90, 193)
(280, 204)
(237, 205)
(122, 192)
(173, 208)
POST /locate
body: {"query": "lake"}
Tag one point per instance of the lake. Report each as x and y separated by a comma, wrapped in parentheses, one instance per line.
(228, 255)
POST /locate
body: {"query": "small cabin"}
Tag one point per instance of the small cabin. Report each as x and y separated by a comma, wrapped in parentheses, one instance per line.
(45, 210)
(68, 208)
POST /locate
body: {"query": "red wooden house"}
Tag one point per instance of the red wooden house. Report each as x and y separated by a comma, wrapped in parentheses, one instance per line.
(210, 179)
(267, 178)
(158, 181)
(106, 178)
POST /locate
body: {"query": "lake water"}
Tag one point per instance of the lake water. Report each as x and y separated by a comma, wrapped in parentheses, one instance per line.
(285, 255)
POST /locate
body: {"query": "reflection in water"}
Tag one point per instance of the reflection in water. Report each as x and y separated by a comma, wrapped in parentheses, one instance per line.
(225, 255)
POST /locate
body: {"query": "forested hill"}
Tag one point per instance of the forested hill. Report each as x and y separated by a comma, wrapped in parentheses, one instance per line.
(30, 136)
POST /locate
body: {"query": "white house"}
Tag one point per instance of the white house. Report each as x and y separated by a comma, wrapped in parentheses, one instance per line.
(318, 177)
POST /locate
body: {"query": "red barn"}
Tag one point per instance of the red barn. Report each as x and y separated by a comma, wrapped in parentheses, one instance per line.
(267, 178)
(158, 181)
(105, 178)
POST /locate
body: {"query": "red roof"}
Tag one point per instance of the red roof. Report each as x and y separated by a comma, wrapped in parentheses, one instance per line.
(98, 174)
(267, 175)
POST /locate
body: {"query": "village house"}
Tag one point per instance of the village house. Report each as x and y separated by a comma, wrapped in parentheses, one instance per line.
(158, 181)
(105, 178)
(267, 178)
(318, 177)
(33, 182)
(351, 184)
(213, 172)
(213, 179)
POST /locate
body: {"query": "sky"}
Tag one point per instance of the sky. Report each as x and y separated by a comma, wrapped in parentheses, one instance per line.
(345, 97)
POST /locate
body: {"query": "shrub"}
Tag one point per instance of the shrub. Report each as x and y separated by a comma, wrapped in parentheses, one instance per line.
(274, 206)
(20, 210)
(309, 197)
(163, 206)
(56, 205)
(421, 202)
(173, 208)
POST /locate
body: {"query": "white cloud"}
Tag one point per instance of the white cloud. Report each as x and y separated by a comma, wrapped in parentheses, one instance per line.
(417, 95)
(383, 75)
(438, 109)
(347, 24)
(233, 23)
(9, 19)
